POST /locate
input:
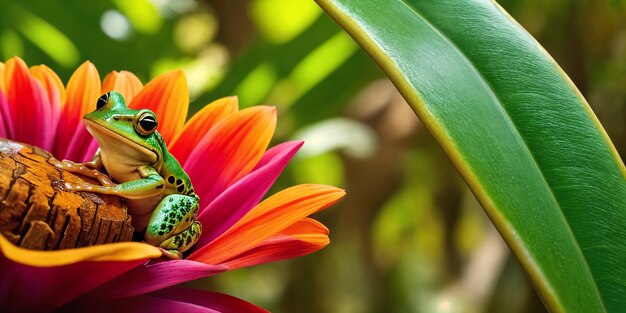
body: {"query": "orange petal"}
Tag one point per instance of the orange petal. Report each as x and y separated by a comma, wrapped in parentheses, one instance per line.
(309, 230)
(51, 83)
(3, 88)
(168, 97)
(304, 237)
(123, 82)
(83, 90)
(230, 150)
(8, 71)
(200, 124)
(269, 218)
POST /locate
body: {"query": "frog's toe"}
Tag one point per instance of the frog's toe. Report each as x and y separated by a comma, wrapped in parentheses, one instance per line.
(171, 254)
(103, 179)
(65, 164)
(80, 187)
(70, 186)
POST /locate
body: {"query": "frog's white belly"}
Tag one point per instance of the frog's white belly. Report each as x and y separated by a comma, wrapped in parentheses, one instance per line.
(121, 156)
(120, 167)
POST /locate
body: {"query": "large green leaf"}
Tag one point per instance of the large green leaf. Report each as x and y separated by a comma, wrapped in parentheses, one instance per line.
(517, 129)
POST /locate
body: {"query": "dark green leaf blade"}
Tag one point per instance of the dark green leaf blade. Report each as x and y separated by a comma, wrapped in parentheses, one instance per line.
(521, 134)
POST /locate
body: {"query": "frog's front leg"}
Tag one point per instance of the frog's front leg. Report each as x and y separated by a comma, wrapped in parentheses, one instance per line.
(173, 226)
(89, 169)
(151, 183)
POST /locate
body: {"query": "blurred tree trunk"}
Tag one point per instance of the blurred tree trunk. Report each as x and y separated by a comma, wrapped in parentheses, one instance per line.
(235, 29)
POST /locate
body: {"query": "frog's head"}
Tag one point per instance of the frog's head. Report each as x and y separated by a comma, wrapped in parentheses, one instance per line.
(127, 133)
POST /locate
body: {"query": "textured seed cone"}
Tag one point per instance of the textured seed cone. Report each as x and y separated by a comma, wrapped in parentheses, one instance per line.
(38, 212)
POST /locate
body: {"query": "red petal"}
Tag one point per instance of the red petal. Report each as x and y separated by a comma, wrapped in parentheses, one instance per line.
(168, 97)
(200, 124)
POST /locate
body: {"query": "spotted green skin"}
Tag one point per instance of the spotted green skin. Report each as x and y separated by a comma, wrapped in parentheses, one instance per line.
(173, 213)
(158, 192)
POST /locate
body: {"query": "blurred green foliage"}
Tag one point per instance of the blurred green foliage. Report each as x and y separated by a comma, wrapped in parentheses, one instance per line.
(409, 237)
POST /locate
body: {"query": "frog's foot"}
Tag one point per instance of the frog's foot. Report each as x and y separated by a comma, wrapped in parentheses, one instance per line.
(182, 242)
(173, 224)
(171, 254)
(86, 169)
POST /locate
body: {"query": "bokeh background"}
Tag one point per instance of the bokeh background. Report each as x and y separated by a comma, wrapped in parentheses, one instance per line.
(409, 237)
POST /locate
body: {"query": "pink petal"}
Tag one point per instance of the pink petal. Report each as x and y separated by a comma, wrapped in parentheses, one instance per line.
(241, 197)
(216, 301)
(76, 146)
(83, 89)
(30, 288)
(41, 289)
(147, 278)
(138, 304)
(30, 111)
(55, 91)
(5, 119)
(90, 151)
(173, 299)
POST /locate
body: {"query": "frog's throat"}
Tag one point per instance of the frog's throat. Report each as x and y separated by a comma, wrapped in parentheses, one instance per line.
(111, 141)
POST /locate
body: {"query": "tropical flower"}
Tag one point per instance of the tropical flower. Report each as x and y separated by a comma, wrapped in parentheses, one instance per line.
(221, 147)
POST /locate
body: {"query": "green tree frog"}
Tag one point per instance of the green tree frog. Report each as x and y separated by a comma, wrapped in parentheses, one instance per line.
(157, 191)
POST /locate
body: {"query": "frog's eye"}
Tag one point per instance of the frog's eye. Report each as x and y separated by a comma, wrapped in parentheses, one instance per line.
(146, 123)
(102, 101)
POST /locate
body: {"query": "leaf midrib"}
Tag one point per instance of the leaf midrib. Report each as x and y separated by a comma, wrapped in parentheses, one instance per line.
(492, 92)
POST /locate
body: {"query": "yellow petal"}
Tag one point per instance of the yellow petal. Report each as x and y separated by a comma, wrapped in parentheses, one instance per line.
(124, 251)
(123, 82)
(168, 97)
